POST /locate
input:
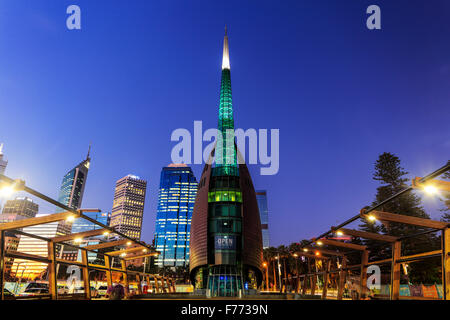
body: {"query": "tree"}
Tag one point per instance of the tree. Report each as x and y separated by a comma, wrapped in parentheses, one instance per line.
(390, 173)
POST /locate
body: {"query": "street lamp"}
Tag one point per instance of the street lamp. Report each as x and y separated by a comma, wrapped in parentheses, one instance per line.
(431, 190)
(8, 188)
(267, 275)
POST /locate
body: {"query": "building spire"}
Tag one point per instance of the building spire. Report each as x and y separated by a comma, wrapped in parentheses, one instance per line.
(226, 53)
(89, 152)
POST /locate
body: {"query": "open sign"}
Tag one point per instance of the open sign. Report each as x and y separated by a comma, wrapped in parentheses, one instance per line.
(225, 242)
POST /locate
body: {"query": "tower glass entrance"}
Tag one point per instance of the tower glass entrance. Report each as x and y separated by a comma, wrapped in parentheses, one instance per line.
(224, 281)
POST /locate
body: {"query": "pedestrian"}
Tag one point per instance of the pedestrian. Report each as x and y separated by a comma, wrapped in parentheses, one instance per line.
(116, 292)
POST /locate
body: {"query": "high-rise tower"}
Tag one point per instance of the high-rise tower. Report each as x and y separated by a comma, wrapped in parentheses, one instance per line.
(261, 197)
(226, 240)
(128, 206)
(177, 191)
(71, 194)
(3, 162)
(72, 190)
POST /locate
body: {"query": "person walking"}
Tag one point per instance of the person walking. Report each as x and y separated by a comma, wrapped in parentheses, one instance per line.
(116, 292)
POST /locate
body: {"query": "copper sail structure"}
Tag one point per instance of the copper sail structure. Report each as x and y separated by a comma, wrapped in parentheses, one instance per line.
(226, 240)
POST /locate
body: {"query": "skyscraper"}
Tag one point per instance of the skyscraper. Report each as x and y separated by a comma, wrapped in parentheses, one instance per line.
(226, 240)
(128, 206)
(71, 194)
(82, 225)
(3, 162)
(19, 208)
(177, 191)
(261, 197)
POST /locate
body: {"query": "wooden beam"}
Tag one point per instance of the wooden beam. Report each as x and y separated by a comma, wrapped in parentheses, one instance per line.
(365, 235)
(26, 256)
(395, 270)
(438, 184)
(78, 263)
(445, 239)
(35, 221)
(52, 282)
(325, 251)
(128, 250)
(363, 274)
(400, 218)
(419, 255)
(85, 234)
(342, 278)
(108, 272)
(141, 256)
(106, 245)
(325, 279)
(335, 243)
(85, 270)
(2, 264)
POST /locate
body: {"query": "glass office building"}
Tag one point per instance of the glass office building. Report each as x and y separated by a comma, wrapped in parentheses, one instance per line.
(177, 192)
(261, 197)
(72, 190)
(128, 206)
(71, 194)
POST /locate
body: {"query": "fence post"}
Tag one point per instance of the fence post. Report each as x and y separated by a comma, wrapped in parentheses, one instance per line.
(2, 264)
(174, 289)
(446, 263)
(304, 284)
(87, 285)
(124, 274)
(325, 279)
(395, 270)
(363, 275)
(108, 271)
(52, 284)
(342, 276)
(138, 279)
(156, 284)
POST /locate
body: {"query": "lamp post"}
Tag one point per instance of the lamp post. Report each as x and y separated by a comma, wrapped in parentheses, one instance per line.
(296, 272)
(279, 271)
(266, 266)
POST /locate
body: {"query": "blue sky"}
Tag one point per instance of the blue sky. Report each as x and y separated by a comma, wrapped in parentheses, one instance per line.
(339, 93)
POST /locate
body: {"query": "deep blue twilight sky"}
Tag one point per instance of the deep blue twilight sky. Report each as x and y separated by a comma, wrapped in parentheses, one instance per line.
(339, 93)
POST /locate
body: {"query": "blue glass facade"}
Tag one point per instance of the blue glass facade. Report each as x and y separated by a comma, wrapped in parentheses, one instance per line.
(177, 192)
(261, 198)
(71, 191)
(82, 225)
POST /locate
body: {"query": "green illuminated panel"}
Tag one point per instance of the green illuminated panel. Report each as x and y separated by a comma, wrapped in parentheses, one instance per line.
(227, 195)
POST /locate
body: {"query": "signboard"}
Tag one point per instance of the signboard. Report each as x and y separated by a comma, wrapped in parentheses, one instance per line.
(225, 242)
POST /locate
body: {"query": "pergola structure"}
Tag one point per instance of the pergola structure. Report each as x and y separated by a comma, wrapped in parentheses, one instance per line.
(133, 249)
(345, 248)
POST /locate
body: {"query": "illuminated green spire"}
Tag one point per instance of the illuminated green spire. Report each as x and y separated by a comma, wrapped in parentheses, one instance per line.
(226, 164)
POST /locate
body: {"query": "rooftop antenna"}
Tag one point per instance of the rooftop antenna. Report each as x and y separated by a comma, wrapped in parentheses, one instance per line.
(89, 150)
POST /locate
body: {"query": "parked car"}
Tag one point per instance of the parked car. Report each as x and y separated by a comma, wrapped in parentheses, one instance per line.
(35, 288)
(101, 291)
(62, 289)
(8, 295)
